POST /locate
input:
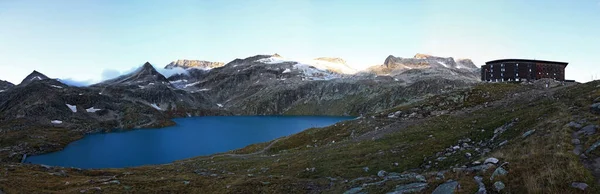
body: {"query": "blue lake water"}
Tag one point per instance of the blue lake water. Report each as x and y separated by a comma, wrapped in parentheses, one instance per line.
(191, 137)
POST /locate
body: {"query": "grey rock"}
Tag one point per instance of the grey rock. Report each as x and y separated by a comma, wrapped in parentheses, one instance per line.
(468, 155)
(446, 188)
(574, 125)
(579, 185)
(592, 148)
(355, 190)
(112, 182)
(499, 186)
(366, 169)
(409, 188)
(502, 143)
(576, 141)
(381, 173)
(528, 133)
(491, 161)
(588, 130)
(595, 108)
(498, 172)
(481, 189)
(186, 182)
(59, 173)
(410, 177)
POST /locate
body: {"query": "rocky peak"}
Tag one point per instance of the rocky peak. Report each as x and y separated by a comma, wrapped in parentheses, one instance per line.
(332, 60)
(422, 56)
(467, 63)
(4, 85)
(145, 74)
(275, 55)
(390, 60)
(34, 76)
(184, 63)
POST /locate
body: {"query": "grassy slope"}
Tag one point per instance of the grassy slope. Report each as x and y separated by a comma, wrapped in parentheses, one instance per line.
(540, 163)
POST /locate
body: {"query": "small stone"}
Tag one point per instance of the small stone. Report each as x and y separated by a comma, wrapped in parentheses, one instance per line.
(498, 172)
(468, 155)
(576, 141)
(355, 190)
(479, 181)
(498, 185)
(528, 133)
(366, 169)
(409, 188)
(588, 130)
(381, 173)
(456, 147)
(186, 182)
(491, 161)
(575, 125)
(113, 182)
(502, 143)
(579, 185)
(446, 188)
(127, 187)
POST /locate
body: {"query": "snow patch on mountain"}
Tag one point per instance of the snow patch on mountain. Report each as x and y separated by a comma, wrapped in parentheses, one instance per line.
(72, 107)
(92, 109)
(155, 106)
(56, 122)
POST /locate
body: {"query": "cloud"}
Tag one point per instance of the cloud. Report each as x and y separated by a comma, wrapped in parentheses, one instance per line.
(108, 74)
(170, 72)
(76, 83)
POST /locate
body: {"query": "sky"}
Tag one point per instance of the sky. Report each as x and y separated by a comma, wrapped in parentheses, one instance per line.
(88, 41)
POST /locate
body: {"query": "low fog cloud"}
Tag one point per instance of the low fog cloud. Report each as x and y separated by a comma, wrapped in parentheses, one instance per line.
(76, 83)
(108, 74)
(171, 72)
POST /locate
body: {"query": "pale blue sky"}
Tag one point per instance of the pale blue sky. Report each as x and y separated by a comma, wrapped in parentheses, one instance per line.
(81, 39)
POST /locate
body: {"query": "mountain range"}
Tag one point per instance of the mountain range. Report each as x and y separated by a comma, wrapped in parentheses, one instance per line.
(256, 85)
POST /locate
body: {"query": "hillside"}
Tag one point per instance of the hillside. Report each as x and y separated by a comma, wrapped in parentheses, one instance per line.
(504, 133)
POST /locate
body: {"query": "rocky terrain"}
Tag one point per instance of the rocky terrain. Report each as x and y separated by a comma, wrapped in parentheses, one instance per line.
(4, 85)
(198, 64)
(489, 138)
(427, 66)
(429, 129)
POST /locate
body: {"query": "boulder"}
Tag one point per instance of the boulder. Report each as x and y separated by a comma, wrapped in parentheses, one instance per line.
(498, 172)
(576, 141)
(593, 147)
(355, 190)
(481, 189)
(381, 173)
(588, 130)
(528, 133)
(409, 188)
(580, 186)
(595, 108)
(574, 125)
(410, 177)
(491, 161)
(446, 188)
(499, 186)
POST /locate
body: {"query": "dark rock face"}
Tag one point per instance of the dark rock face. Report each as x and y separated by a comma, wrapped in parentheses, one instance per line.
(253, 87)
(4, 85)
(34, 76)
